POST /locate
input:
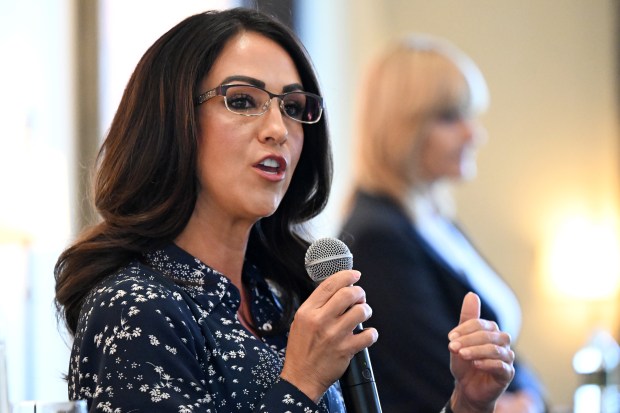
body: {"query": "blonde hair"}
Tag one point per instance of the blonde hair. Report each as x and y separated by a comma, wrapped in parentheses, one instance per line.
(411, 82)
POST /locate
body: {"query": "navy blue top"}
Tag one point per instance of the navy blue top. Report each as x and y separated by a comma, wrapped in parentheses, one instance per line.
(416, 297)
(145, 343)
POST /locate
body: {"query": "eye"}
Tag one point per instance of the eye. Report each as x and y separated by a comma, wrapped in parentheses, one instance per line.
(240, 101)
(450, 115)
(294, 105)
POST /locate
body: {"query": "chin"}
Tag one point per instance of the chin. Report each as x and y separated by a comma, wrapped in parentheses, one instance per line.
(468, 170)
(267, 215)
(268, 211)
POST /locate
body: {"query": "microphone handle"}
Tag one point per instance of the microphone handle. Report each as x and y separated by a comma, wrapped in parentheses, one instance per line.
(358, 386)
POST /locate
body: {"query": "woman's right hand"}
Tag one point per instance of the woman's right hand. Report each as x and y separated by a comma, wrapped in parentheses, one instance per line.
(481, 360)
(321, 342)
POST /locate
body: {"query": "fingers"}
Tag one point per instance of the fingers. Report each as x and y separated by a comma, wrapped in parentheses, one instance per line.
(481, 342)
(364, 339)
(470, 308)
(475, 338)
(321, 341)
(478, 339)
(502, 371)
(325, 290)
(490, 351)
(337, 298)
(473, 326)
(470, 320)
(481, 359)
(483, 353)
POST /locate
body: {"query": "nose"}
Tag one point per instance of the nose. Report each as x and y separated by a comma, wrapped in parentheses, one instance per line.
(273, 127)
(474, 132)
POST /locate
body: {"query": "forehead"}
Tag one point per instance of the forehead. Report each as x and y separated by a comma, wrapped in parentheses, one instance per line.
(253, 55)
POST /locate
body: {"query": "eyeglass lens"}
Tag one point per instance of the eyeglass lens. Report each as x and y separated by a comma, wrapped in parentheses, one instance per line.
(248, 100)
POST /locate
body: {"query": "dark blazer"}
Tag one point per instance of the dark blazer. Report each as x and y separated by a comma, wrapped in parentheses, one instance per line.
(416, 299)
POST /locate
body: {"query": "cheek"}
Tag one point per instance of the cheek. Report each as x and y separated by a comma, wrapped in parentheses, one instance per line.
(212, 151)
(219, 134)
(434, 150)
(445, 145)
(439, 156)
(296, 147)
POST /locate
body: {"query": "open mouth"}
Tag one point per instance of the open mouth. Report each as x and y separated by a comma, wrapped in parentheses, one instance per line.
(272, 165)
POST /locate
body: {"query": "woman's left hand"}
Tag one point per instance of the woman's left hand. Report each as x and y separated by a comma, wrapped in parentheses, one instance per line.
(481, 360)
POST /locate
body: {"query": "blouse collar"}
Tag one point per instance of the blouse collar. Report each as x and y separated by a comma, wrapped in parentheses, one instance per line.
(201, 281)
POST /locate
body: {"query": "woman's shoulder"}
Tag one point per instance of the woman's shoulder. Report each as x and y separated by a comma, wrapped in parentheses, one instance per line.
(135, 282)
(135, 291)
(375, 216)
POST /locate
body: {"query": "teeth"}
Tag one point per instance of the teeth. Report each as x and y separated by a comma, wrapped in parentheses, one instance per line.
(271, 163)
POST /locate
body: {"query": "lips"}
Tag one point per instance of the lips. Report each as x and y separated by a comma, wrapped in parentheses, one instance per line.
(272, 165)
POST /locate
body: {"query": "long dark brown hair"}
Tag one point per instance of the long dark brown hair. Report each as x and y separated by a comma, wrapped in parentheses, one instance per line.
(146, 184)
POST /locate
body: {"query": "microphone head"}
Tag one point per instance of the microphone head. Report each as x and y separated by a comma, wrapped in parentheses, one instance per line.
(327, 256)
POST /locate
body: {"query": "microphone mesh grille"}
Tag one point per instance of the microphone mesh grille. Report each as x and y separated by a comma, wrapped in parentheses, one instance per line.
(327, 256)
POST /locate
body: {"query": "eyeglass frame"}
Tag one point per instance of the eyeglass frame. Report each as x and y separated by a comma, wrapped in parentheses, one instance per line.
(221, 91)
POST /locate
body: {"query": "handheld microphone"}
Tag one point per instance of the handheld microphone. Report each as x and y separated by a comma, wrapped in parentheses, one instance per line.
(327, 256)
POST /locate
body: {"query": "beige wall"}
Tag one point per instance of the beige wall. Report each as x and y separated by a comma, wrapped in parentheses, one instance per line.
(553, 144)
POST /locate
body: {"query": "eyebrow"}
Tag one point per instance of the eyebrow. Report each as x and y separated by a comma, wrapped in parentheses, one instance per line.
(259, 83)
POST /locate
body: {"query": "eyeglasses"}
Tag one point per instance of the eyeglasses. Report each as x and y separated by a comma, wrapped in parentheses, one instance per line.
(249, 100)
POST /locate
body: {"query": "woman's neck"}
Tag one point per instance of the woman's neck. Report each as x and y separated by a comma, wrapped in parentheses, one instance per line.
(430, 198)
(419, 202)
(222, 247)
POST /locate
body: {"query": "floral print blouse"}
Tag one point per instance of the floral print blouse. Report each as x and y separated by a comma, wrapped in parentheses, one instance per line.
(145, 343)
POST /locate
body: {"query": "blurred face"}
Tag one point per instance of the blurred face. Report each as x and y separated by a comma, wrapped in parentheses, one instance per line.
(448, 149)
(245, 163)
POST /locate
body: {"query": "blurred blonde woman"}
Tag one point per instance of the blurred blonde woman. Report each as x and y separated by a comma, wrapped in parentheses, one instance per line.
(418, 131)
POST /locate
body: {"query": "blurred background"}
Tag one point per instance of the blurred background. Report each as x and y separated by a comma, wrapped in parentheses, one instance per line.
(545, 208)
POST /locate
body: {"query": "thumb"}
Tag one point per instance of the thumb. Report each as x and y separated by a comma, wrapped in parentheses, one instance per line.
(470, 308)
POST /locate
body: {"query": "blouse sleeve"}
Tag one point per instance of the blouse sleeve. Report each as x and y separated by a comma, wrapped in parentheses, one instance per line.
(134, 349)
(285, 397)
(138, 348)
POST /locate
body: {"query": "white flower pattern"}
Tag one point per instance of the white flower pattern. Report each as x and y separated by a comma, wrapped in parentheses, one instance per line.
(145, 343)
